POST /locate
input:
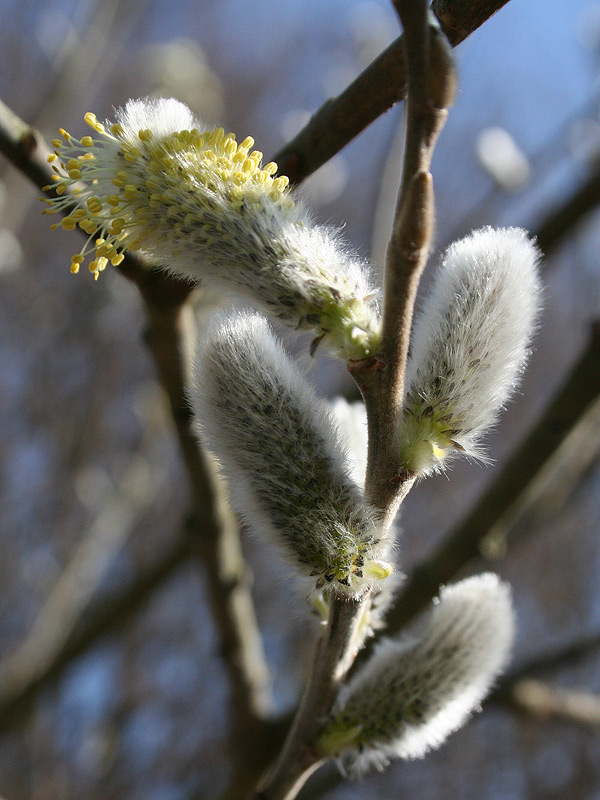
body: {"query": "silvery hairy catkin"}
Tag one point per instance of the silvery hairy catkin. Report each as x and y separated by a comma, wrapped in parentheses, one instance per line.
(282, 456)
(205, 207)
(351, 421)
(414, 692)
(469, 345)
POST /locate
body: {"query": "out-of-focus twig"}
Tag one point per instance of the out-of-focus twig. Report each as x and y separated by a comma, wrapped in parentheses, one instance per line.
(542, 700)
(170, 335)
(550, 488)
(553, 660)
(523, 689)
(569, 213)
(380, 86)
(580, 389)
(68, 599)
(114, 613)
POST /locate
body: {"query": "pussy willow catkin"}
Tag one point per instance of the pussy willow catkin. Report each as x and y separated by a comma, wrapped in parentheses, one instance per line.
(204, 206)
(469, 345)
(281, 453)
(414, 692)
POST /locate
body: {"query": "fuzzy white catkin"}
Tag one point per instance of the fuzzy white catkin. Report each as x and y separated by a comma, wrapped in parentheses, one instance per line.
(205, 207)
(281, 453)
(469, 345)
(414, 692)
(351, 420)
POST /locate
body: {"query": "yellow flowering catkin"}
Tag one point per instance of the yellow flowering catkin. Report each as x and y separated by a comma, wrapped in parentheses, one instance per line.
(204, 206)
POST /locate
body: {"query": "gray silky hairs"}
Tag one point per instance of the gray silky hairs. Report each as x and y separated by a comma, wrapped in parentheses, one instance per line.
(291, 478)
(417, 689)
(282, 454)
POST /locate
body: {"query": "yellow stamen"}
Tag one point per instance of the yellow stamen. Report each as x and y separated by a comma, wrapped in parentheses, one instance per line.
(92, 121)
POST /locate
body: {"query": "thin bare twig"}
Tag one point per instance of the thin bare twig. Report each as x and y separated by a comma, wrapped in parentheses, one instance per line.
(535, 697)
(170, 335)
(379, 87)
(431, 70)
(521, 688)
(570, 212)
(298, 758)
(550, 661)
(171, 338)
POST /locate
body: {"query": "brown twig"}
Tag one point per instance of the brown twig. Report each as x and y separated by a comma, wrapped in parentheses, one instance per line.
(379, 87)
(569, 213)
(551, 661)
(170, 335)
(510, 690)
(298, 758)
(542, 700)
(431, 70)
(459, 18)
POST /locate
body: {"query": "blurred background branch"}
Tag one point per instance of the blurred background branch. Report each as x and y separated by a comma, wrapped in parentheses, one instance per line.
(375, 91)
(123, 701)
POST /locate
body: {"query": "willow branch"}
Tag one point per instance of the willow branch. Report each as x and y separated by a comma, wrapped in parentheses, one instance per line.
(379, 87)
(431, 71)
(543, 663)
(298, 758)
(429, 77)
(431, 90)
(170, 335)
(171, 338)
